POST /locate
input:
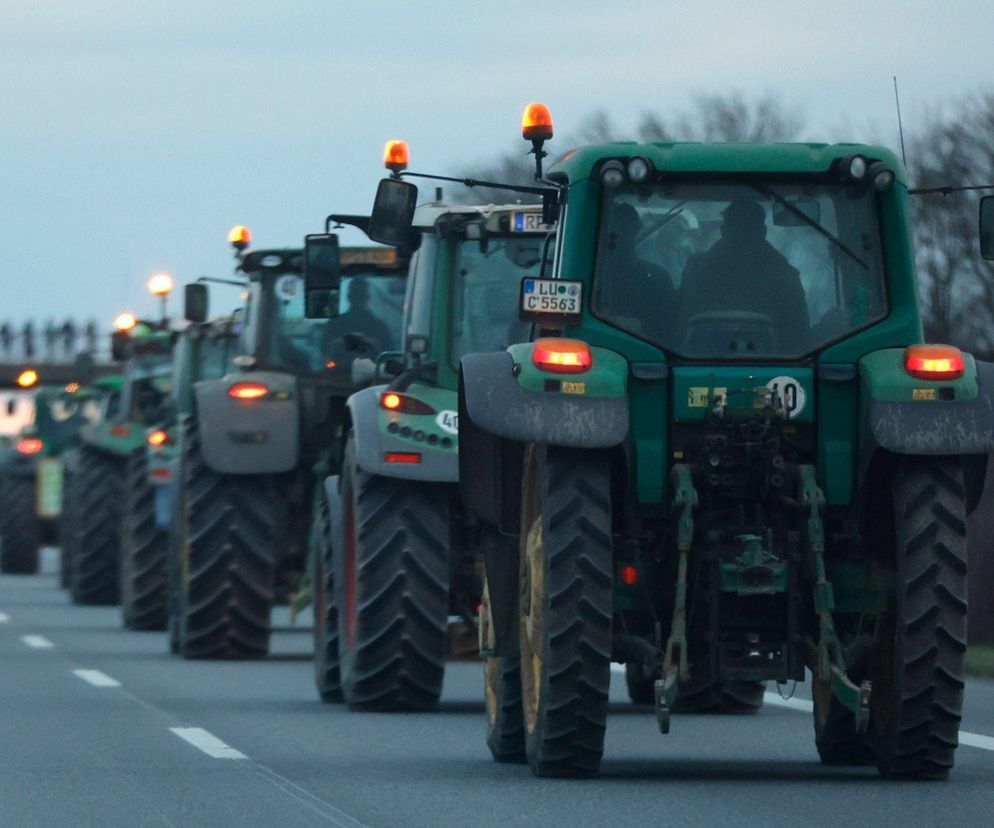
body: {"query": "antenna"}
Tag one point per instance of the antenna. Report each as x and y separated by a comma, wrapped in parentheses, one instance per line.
(900, 126)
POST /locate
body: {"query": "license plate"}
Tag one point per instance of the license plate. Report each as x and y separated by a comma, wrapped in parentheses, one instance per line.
(530, 222)
(544, 298)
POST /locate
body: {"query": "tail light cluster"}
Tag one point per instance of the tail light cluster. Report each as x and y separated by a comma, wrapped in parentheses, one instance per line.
(562, 356)
(158, 438)
(30, 445)
(934, 362)
(403, 404)
(248, 391)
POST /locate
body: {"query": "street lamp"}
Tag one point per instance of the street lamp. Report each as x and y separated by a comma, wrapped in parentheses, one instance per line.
(161, 285)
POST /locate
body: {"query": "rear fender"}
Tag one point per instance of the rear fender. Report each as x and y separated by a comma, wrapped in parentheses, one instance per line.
(901, 414)
(259, 436)
(378, 433)
(507, 396)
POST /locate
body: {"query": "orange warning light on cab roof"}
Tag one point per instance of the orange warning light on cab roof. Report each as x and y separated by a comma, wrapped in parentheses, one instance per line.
(536, 123)
(396, 156)
(239, 237)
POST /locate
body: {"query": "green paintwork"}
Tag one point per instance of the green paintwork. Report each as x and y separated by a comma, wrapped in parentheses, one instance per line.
(833, 406)
(883, 378)
(446, 404)
(740, 384)
(764, 159)
(607, 377)
(755, 572)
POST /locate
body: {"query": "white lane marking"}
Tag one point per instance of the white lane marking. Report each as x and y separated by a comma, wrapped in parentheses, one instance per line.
(802, 705)
(4, 618)
(207, 742)
(976, 740)
(96, 678)
(39, 642)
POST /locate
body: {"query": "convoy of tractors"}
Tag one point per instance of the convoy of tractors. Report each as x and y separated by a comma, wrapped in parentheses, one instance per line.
(668, 406)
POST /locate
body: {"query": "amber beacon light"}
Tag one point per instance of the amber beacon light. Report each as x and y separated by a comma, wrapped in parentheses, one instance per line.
(536, 123)
(239, 237)
(396, 156)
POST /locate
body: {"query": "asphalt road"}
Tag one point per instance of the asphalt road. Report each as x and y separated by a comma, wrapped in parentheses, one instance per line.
(102, 727)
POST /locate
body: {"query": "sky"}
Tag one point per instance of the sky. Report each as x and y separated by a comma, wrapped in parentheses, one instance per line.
(135, 133)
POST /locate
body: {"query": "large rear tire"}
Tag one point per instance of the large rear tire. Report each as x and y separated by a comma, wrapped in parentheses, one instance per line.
(918, 668)
(67, 517)
(143, 552)
(20, 528)
(229, 566)
(392, 590)
(502, 694)
(327, 672)
(566, 608)
(99, 492)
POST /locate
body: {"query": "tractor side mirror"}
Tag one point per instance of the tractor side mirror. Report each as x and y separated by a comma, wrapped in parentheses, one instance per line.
(322, 275)
(119, 346)
(393, 212)
(987, 227)
(195, 302)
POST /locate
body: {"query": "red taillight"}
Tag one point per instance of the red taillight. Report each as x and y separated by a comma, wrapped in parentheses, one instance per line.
(402, 457)
(562, 356)
(157, 438)
(120, 431)
(392, 401)
(248, 390)
(160, 473)
(934, 362)
(30, 445)
(629, 575)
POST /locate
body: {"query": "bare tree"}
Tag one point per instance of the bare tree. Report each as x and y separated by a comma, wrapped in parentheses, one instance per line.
(956, 286)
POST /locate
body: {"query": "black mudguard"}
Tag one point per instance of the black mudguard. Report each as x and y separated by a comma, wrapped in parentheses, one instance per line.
(496, 403)
(942, 427)
(249, 437)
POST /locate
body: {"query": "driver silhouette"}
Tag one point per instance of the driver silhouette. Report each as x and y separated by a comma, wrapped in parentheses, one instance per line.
(743, 272)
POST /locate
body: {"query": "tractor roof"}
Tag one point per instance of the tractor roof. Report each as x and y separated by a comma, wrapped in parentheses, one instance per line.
(427, 214)
(286, 260)
(767, 159)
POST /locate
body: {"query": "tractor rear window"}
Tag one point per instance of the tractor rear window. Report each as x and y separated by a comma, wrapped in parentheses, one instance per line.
(739, 271)
(370, 305)
(485, 292)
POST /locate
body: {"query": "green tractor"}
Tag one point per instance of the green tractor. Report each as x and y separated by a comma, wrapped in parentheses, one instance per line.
(254, 438)
(32, 470)
(727, 453)
(109, 494)
(399, 556)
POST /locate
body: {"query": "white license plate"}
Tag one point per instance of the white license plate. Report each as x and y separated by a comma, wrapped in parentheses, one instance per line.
(527, 222)
(553, 296)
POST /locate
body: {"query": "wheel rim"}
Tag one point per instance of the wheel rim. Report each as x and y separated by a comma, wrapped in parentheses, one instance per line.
(490, 663)
(532, 594)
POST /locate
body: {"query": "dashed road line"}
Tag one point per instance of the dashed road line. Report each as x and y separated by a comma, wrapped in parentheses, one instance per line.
(207, 742)
(39, 642)
(4, 618)
(96, 678)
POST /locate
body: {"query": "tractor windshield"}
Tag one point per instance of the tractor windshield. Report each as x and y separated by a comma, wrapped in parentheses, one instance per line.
(485, 292)
(370, 305)
(739, 270)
